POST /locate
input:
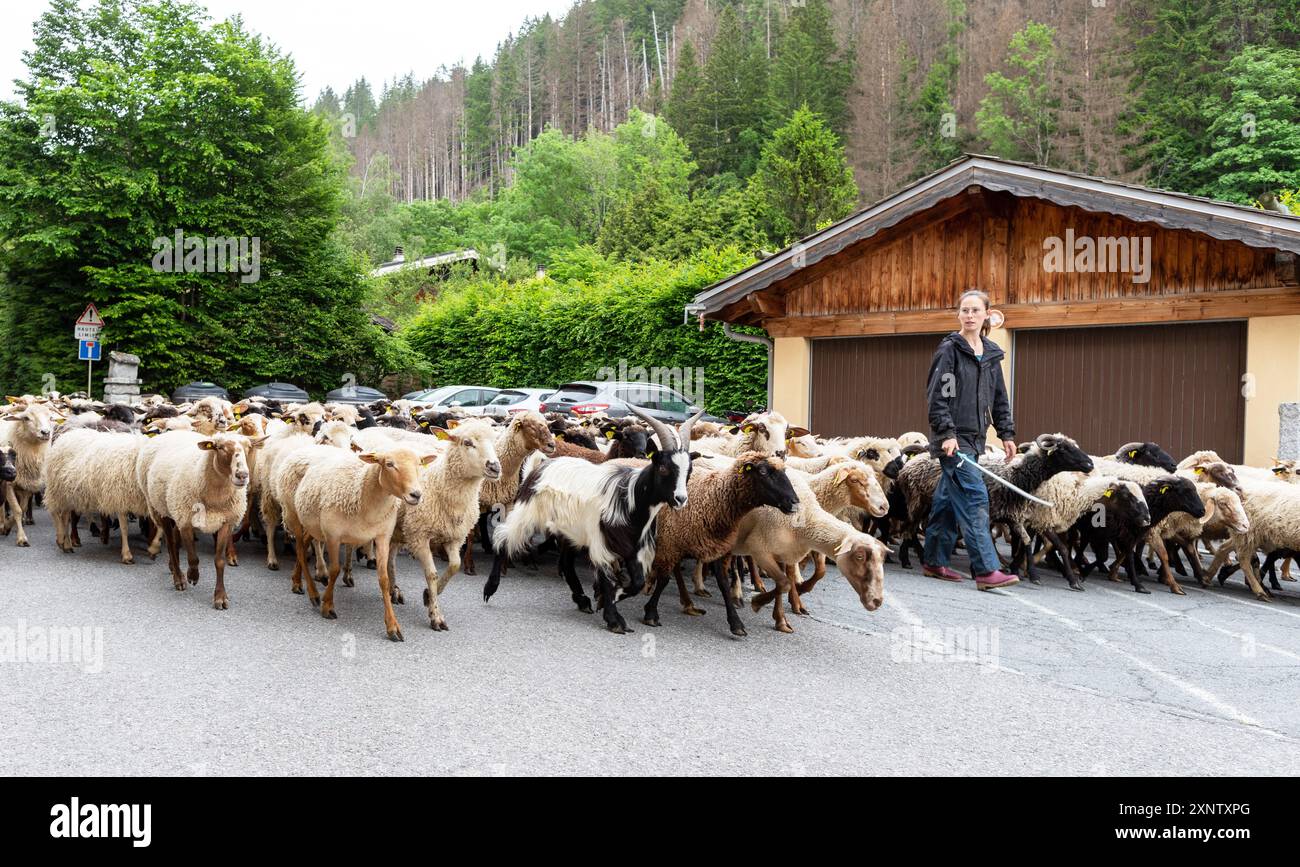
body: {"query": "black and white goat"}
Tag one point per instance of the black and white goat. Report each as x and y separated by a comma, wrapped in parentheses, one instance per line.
(608, 508)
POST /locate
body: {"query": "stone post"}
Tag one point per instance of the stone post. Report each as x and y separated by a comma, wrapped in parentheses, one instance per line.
(122, 384)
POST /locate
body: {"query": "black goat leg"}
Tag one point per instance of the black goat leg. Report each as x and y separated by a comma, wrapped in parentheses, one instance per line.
(608, 592)
(733, 619)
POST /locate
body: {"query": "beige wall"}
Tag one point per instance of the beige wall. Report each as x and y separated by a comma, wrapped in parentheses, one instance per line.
(791, 375)
(1273, 363)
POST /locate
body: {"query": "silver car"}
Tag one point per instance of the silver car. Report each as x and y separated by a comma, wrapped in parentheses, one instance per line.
(613, 398)
(471, 399)
(513, 400)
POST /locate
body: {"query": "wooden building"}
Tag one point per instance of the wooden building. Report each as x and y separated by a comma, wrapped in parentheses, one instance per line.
(1130, 313)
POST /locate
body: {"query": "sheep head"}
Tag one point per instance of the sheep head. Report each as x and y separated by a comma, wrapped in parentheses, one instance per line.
(399, 471)
(861, 560)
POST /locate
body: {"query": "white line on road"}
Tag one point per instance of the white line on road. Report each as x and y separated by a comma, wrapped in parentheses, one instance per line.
(1199, 693)
(1280, 651)
(1253, 603)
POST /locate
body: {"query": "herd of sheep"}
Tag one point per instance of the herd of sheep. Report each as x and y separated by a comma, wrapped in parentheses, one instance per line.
(747, 503)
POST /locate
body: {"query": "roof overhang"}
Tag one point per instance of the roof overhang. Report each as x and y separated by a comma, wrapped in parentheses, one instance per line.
(1222, 220)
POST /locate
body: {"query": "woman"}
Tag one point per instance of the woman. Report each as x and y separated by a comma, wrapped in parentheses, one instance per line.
(966, 393)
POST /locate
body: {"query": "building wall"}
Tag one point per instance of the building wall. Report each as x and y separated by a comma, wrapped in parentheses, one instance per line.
(791, 377)
(1273, 365)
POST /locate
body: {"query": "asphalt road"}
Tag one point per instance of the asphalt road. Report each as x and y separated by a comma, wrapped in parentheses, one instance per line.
(941, 680)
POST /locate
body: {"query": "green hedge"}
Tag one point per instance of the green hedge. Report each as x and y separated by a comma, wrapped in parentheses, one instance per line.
(589, 313)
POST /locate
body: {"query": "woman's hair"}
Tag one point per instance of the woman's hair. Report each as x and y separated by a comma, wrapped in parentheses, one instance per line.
(983, 296)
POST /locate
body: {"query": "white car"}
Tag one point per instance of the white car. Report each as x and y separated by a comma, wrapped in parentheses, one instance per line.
(513, 400)
(471, 399)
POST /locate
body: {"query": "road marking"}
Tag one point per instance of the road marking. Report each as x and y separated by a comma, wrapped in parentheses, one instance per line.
(1253, 603)
(1191, 689)
(1280, 651)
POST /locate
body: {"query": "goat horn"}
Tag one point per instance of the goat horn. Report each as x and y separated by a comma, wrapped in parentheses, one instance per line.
(684, 432)
(667, 437)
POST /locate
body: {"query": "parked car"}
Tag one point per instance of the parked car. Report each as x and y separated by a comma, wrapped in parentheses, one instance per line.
(613, 398)
(514, 400)
(284, 391)
(198, 390)
(470, 398)
(355, 395)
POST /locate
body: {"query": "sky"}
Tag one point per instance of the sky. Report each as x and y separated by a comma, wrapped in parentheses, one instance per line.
(335, 42)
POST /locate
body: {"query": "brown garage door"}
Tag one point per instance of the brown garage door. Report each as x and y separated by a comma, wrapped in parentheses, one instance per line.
(871, 385)
(1177, 385)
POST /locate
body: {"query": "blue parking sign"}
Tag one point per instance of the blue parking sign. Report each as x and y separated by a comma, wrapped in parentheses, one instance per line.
(88, 350)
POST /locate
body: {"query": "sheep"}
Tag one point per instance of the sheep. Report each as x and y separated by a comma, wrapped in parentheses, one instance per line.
(1271, 509)
(289, 469)
(875, 452)
(1146, 454)
(348, 498)
(300, 424)
(196, 482)
(526, 434)
(707, 528)
(27, 430)
(1225, 518)
(344, 412)
(1076, 496)
(448, 508)
(777, 542)
(608, 508)
(1050, 454)
(211, 415)
(1165, 494)
(913, 438)
(759, 432)
(93, 473)
(850, 491)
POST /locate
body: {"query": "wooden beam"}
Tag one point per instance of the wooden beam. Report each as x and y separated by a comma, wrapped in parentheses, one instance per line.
(1273, 301)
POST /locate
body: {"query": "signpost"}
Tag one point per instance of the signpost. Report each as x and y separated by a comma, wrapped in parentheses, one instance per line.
(86, 331)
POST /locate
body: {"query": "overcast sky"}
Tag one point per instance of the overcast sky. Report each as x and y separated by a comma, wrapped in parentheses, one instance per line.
(335, 42)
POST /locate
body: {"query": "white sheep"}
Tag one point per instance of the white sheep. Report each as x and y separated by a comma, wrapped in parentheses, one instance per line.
(352, 499)
(448, 508)
(92, 473)
(197, 483)
(27, 429)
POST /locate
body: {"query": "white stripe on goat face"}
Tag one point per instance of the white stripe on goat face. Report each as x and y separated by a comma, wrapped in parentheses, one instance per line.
(681, 460)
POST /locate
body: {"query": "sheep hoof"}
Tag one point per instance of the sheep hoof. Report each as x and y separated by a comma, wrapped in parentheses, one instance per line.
(192, 575)
(784, 627)
(1033, 580)
(397, 597)
(348, 581)
(802, 612)
(1177, 591)
(738, 630)
(1264, 597)
(470, 570)
(221, 604)
(617, 628)
(274, 567)
(328, 614)
(702, 592)
(1075, 585)
(692, 611)
(322, 579)
(1140, 589)
(128, 561)
(437, 625)
(651, 621)
(178, 584)
(371, 564)
(395, 634)
(23, 543)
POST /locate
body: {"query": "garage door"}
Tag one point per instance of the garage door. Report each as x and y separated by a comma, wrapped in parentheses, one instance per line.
(1177, 385)
(870, 385)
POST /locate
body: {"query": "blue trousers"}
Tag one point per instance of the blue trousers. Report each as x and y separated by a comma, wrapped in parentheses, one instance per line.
(961, 500)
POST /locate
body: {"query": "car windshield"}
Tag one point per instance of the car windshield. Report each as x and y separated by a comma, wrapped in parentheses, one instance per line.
(574, 393)
(653, 397)
(506, 398)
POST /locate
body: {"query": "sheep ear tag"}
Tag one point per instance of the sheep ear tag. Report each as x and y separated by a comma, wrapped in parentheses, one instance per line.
(1199, 470)
(1132, 453)
(233, 427)
(609, 434)
(1108, 492)
(559, 436)
(452, 422)
(1164, 488)
(60, 420)
(207, 445)
(747, 428)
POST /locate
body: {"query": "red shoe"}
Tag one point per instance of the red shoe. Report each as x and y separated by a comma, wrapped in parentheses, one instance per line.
(943, 573)
(996, 578)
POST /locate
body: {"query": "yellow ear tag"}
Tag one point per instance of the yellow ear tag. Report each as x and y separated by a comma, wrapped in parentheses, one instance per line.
(60, 420)
(1164, 488)
(609, 434)
(424, 424)
(1199, 470)
(649, 454)
(1133, 453)
(559, 436)
(1108, 492)
(747, 428)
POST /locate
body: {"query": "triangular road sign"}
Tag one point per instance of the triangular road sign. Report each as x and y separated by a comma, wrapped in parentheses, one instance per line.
(91, 316)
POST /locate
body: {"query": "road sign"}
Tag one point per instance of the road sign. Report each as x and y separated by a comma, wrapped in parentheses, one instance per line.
(91, 317)
(87, 332)
(88, 350)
